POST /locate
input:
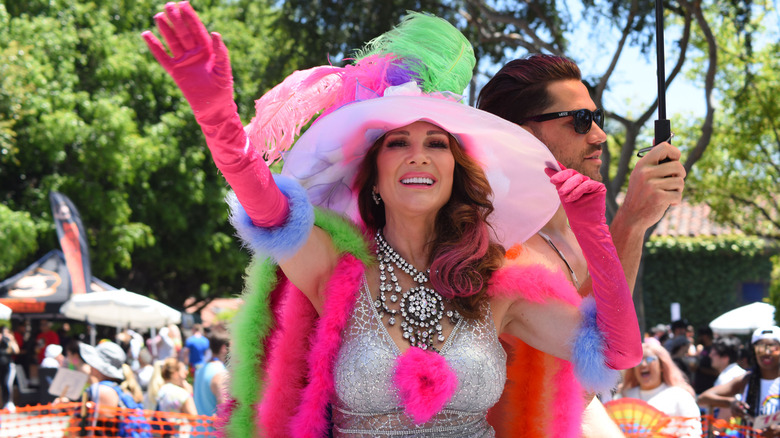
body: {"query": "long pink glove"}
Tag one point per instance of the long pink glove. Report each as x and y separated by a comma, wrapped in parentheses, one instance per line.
(584, 202)
(200, 66)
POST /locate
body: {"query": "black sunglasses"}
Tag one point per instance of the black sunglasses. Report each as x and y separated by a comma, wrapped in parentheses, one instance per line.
(583, 118)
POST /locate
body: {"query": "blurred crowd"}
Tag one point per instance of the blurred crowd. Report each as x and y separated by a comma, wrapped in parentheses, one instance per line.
(687, 373)
(169, 369)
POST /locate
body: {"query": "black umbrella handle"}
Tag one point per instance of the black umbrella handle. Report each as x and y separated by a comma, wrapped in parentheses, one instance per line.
(663, 128)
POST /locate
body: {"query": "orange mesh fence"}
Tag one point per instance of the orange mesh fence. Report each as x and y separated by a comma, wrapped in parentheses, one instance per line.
(733, 427)
(77, 420)
(687, 426)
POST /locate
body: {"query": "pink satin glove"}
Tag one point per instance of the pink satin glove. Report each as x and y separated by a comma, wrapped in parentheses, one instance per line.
(584, 201)
(200, 66)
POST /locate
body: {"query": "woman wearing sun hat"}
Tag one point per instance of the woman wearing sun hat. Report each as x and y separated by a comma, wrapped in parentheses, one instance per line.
(758, 391)
(393, 289)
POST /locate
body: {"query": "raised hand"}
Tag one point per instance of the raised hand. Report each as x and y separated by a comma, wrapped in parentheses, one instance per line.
(653, 186)
(198, 63)
(200, 66)
(583, 199)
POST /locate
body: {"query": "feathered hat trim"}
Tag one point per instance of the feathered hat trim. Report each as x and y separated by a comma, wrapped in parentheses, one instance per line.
(422, 48)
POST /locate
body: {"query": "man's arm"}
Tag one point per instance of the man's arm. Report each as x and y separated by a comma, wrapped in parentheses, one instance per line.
(219, 386)
(652, 188)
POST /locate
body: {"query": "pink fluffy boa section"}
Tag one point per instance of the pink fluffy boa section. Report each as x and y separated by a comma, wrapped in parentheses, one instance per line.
(300, 371)
(538, 284)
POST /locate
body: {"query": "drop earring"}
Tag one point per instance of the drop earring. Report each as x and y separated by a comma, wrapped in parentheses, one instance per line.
(375, 195)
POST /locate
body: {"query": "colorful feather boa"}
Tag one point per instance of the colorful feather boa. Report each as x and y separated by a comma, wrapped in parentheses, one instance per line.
(547, 391)
(282, 355)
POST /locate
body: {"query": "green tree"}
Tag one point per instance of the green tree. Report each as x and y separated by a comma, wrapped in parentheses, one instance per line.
(85, 110)
(695, 49)
(740, 176)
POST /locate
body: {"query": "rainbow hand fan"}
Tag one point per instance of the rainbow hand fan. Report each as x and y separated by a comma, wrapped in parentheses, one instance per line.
(636, 418)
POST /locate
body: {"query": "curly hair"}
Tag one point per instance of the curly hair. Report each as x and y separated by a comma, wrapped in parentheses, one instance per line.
(463, 255)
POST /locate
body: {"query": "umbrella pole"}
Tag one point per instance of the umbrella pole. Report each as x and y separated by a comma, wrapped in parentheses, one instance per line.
(663, 128)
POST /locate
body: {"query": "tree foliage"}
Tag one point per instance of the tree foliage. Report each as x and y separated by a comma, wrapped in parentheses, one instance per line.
(681, 270)
(85, 110)
(695, 45)
(740, 176)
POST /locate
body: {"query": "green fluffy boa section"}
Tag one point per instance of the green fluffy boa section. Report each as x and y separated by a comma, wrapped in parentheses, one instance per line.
(254, 321)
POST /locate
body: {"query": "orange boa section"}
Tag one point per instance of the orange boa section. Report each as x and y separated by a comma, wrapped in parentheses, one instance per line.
(530, 406)
(523, 410)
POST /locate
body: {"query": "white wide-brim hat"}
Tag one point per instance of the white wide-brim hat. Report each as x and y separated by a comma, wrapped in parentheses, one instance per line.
(107, 358)
(326, 158)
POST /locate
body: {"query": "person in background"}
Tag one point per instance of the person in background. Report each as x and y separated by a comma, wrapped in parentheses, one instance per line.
(679, 330)
(8, 349)
(63, 331)
(545, 95)
(132, 342)
(723, 355)
(678, 347)
(162, 345)
(130, 385)
(661, 333)
(758, 391)
(107, 380)
(196, 347)
(145, 368)
(46, 337)
(53, 357)
(175, 395)
(658, 381)
(705, 374)
(73, 358)
(210, 379)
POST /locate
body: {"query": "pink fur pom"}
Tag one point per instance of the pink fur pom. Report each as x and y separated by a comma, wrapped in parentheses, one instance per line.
(425, 383)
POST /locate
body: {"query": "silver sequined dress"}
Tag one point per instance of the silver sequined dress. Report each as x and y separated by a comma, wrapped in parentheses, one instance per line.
(367, 404)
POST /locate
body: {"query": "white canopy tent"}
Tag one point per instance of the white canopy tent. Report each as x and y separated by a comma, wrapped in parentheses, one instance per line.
(744, 320)
(5, 312)
(120, 308)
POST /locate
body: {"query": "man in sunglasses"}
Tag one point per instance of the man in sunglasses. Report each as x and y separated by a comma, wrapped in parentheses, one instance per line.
(545, 95)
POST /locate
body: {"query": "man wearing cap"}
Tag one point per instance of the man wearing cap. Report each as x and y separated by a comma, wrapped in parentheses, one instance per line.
(756, 393)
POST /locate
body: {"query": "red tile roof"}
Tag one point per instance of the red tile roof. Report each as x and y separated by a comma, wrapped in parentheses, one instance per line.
(689, 219)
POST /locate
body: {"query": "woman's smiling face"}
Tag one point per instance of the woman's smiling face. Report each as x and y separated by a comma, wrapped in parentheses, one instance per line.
(415, 168)
(767, 354)
(648, 372)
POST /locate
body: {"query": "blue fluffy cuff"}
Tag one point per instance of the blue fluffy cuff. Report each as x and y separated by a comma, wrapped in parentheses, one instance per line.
(590, 366)
(277, 242)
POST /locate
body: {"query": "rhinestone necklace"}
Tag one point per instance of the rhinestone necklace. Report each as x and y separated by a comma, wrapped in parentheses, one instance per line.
(421, 308)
